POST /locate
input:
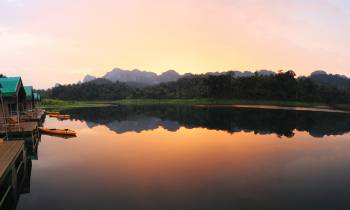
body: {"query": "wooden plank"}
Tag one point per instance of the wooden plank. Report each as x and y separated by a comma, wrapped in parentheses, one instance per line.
(21, 127)
(32, 115)
(9, 151)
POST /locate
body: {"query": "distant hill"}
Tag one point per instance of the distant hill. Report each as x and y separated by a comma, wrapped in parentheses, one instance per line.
(168, 76)
(335, 80)
(89, 78)
(139, 78)
(282, 86)
(131, 76)
(237, 73)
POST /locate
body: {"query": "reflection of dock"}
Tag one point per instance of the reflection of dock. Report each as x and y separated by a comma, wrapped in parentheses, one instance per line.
(13, 171)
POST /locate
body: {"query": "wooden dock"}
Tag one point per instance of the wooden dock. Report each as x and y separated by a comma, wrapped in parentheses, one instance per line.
(12, 171)
(18, 127)
(8, 152)
(36, 114)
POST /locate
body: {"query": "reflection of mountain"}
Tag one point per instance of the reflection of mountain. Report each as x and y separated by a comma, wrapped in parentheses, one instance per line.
(141, 123)
(281, 122)
(136, 123)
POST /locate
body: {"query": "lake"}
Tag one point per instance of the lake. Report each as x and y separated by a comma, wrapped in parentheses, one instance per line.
(182, 157)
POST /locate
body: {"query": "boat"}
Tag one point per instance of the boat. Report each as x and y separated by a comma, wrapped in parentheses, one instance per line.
(52, 113)
(60, 116)
(53, 131)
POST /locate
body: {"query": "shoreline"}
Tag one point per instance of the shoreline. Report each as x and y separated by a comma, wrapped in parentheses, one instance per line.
(273, 107)
(54, 104)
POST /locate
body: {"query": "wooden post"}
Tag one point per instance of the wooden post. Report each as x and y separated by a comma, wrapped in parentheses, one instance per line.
(14, 182)
(4, 116)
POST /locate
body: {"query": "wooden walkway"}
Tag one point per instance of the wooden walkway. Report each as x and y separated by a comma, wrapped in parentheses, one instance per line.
(12, 169)
(33, 115)
(9, 151)
(17, 128)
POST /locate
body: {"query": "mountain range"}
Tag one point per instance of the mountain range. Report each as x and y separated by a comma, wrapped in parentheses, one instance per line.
(146, 78)
(336, 80)
(137, 76)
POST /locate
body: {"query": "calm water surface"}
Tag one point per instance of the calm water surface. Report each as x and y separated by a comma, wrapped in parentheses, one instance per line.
(155, 157)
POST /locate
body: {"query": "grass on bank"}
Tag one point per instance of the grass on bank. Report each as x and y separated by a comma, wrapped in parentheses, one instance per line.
(60, 104)
(55, 104)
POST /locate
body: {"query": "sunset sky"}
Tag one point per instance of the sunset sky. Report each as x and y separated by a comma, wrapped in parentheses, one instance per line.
(60, 41)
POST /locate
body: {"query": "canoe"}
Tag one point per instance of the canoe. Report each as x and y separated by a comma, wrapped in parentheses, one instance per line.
(60, 116)
(53, 131)
(52, 113)
(63, 117)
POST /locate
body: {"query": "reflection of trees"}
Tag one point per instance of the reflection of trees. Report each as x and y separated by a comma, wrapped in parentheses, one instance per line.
(260, 121)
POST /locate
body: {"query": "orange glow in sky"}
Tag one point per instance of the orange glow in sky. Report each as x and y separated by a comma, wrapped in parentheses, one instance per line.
(48, 42)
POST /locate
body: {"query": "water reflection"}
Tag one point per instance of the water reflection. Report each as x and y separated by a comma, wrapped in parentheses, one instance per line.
(192, 158)
(123, 119)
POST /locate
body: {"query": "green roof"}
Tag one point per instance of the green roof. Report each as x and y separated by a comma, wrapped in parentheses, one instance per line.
(8, 86)
(29, 92)
(37, 96)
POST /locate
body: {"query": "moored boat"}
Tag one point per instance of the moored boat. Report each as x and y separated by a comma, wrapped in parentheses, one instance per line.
(52, 113)
(53, 131)
(60, 116)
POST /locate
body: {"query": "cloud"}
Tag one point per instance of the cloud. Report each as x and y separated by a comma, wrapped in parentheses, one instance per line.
(33, 54)
(18, 3)
(12, 42)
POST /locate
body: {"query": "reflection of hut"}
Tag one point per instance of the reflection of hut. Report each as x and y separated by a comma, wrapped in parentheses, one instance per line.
(29, 104)
(13, 96)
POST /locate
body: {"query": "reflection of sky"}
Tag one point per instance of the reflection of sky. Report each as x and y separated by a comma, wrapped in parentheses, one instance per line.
(188, 169)
(61, 41)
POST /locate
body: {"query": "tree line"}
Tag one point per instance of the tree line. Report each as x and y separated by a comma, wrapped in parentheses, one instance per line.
(281, 86)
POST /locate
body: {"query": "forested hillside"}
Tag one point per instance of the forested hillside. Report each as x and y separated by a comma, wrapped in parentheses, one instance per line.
(336, 80)
(100, 89)
(281, 86)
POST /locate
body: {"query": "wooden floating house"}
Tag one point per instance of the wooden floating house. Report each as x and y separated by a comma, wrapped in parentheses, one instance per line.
(13, 98)
(19, 110)
(29, 104)
(32, 110)
(20, 115)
